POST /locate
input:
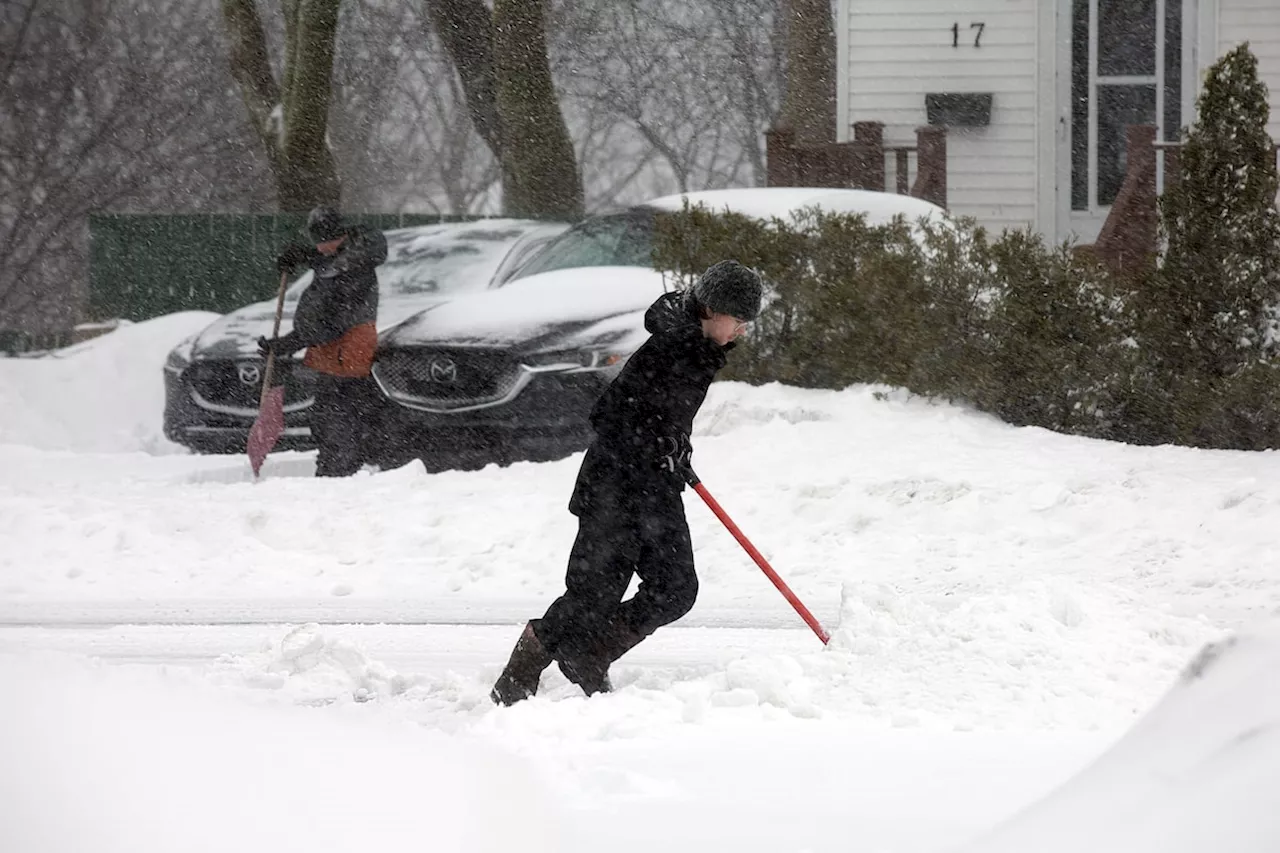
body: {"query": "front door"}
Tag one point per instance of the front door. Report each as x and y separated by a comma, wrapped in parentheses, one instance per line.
(1129, 63)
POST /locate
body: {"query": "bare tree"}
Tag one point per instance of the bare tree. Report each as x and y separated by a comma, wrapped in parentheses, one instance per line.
(453, 170)
(400, 129)
(694, 85)
(502, 63)
(290, 116)
(104, 105)
(754, 33)
(656, 96)
(368, 61)
(465, 27)
(537, 156)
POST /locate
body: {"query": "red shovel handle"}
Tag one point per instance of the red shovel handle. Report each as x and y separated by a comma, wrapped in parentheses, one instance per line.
(760, 560)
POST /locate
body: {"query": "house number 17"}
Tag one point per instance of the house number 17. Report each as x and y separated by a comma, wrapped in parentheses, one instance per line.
(977, 39)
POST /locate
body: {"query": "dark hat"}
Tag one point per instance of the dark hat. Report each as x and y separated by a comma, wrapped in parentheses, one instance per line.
(324, 223)
(727, 287)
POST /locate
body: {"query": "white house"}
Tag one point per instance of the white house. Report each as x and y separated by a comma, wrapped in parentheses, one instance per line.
(1065, 78)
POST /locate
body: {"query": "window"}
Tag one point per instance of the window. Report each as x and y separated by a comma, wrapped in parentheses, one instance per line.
(1126, 69)
(1118, 108)
(618, 240)
(1126, 38)
(522, 253)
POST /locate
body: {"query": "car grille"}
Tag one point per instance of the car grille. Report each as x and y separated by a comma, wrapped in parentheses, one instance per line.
(448, 377)
(219, 382)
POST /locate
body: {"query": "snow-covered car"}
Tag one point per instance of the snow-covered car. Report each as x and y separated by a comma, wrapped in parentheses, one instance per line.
(512, 373)
(213, 379)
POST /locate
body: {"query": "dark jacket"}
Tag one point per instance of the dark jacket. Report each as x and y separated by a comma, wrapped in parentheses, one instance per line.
(656, 395)
(344, 291)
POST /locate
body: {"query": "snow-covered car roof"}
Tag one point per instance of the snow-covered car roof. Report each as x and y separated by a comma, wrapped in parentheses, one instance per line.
(425, 265)
(765, 202)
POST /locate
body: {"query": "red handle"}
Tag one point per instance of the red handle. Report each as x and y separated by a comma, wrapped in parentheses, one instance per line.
(761, 562)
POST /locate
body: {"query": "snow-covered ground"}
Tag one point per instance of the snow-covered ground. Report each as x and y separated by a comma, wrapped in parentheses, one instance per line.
(1200, 772)
(1005, 604)
(104, 395)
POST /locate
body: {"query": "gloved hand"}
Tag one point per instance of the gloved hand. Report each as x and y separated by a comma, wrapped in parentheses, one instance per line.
(675, 455)
(293, 255)
(283, 346)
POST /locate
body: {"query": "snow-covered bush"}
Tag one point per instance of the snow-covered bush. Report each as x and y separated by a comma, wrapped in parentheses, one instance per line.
(1210, 314)
(1039, 336)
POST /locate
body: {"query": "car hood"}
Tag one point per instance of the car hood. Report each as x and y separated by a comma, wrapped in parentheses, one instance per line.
(562, 309)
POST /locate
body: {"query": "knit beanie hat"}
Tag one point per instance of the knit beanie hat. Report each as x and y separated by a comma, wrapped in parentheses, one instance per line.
(728, 287)
(324, 223)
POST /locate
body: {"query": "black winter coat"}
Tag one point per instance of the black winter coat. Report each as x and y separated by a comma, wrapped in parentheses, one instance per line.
(656, 395)
(343, 293)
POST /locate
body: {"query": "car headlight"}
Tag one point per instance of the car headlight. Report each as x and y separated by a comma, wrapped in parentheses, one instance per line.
(180, 356)
(576, 359)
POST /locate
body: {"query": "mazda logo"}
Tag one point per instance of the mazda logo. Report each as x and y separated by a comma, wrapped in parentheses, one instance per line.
(444, 370)
(249, 374)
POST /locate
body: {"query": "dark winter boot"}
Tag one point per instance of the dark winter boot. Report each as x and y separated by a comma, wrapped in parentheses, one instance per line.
(520, 678)
(589, 673)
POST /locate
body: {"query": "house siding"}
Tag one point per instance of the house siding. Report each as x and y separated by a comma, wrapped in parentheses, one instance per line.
(1010, 173)
(1257, 22)
(895, 57)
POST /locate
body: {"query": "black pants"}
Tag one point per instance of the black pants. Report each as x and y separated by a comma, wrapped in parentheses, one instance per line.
(590, 621)
(340, 423)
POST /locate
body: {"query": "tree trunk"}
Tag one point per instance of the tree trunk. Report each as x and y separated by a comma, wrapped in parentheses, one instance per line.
(290, 118)
(539, 164)
(501, 60)
(809, 102)
(466, 29)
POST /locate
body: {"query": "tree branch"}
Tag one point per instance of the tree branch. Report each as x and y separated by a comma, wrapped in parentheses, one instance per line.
(251, 69)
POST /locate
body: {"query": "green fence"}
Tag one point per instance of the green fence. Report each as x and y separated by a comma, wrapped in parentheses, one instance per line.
(142, 266)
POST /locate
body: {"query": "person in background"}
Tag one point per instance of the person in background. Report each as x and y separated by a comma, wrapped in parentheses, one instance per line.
(336, 323)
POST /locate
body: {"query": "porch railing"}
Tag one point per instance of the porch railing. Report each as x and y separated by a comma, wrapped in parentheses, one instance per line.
(862, 162)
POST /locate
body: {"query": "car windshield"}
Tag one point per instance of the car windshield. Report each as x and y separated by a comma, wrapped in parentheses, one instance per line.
(440, 259)
(616, 240)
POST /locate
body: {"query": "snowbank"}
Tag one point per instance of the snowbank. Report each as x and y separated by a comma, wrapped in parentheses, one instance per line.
(104, 395)
(115, 760)
(1200, 771)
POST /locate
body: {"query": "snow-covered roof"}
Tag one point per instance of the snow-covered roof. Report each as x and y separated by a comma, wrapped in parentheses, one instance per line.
(764, 202)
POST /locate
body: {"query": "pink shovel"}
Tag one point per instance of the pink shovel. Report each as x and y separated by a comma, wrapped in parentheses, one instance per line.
(269, 425)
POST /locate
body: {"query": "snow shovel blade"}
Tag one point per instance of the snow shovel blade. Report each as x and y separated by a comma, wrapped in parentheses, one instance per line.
(267, 428)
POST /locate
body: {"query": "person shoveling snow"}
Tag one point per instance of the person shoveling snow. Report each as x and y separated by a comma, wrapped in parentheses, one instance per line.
(335, 323)
(628, 493)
